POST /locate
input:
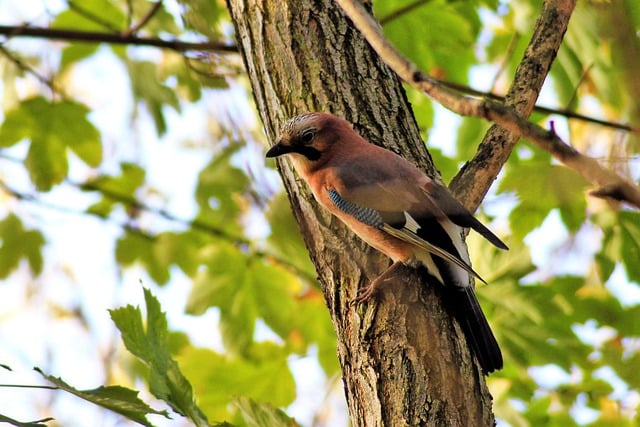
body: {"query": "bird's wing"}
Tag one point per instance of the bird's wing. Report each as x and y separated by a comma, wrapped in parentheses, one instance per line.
(390, 193)
(440, 199)
(411, 237)
(390, 183)
(408, 230)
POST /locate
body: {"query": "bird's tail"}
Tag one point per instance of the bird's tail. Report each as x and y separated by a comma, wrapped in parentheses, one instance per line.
(476, 328)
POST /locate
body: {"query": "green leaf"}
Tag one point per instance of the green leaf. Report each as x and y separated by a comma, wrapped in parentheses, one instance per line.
(115, 189)
(226, 283)
(273, 292)
(91, 15)
(285, 239)
(189, 81)
(245, 289)
(621, 243)
(496, 265)
(182, 249)
(225, 268)
(201, 15)
(313, 323)
(146, 87)
(533, 323)
(264, 376)
(443, 48)
(470, 134)
(51, 128)
(46, 162)
(623, 361)
(540, 413)
(157, 254)
(134, 247)
(262, 415)
(76, 52)
(119, 399)
(219, 190)
(422, 107)
(447, 166)
(542, 187)
(310, 322)
(17, 243)
(587, 55)
(163, 22)
(151, 346)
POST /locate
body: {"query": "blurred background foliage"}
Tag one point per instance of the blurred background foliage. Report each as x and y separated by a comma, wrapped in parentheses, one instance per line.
(124, 164)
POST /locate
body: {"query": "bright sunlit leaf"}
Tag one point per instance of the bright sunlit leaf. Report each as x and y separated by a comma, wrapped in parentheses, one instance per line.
(541, 188)
(51, 128)
(119, 399)
(262, 415)
(147, 339)
(17, 243)
(264, 376)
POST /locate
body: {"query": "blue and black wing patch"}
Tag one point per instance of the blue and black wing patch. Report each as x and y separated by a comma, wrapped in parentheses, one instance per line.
(367, 216)
(408, 230)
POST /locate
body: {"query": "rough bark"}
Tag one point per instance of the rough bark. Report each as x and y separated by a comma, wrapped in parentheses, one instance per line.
(404, 359)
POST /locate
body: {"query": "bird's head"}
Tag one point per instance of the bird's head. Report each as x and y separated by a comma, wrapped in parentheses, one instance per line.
(312, 138)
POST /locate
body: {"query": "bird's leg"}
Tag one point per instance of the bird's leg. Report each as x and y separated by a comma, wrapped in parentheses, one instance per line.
(364, 294)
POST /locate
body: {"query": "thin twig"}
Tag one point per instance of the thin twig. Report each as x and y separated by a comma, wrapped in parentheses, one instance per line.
(46, 387)
(145, 19)
(132, 202)
(569, 114)
(574, 95)
(402, 11)
(24, 67)
(474, 179)
(129, 13)
(115, 38)
(505, 61)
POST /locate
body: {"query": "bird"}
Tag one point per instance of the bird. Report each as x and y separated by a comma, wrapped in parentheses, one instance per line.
(393, 206)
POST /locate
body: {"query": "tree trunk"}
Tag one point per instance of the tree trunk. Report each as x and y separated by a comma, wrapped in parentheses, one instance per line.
(404, 359)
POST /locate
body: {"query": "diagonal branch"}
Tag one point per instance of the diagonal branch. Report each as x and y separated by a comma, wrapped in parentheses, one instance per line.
(25, 68)
(610, 184)
(248, 245)
(473, 181)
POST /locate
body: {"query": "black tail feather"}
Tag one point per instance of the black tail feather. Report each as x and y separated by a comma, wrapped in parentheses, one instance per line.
(476, 328)
(463, 303)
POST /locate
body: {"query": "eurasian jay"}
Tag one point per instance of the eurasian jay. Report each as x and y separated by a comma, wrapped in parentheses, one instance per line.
(395, 208)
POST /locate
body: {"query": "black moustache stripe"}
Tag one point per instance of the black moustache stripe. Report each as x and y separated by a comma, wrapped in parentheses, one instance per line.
(309, 152)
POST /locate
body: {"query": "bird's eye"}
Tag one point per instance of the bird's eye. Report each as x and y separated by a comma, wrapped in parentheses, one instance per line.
(308, 136)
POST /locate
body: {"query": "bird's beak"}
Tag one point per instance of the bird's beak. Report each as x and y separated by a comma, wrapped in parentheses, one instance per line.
(278, 150)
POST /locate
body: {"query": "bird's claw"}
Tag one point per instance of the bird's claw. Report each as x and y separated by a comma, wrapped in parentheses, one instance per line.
(364, 294)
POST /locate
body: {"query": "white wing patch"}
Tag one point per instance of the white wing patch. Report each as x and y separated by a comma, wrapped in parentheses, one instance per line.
(410, 223)
(407, 236)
